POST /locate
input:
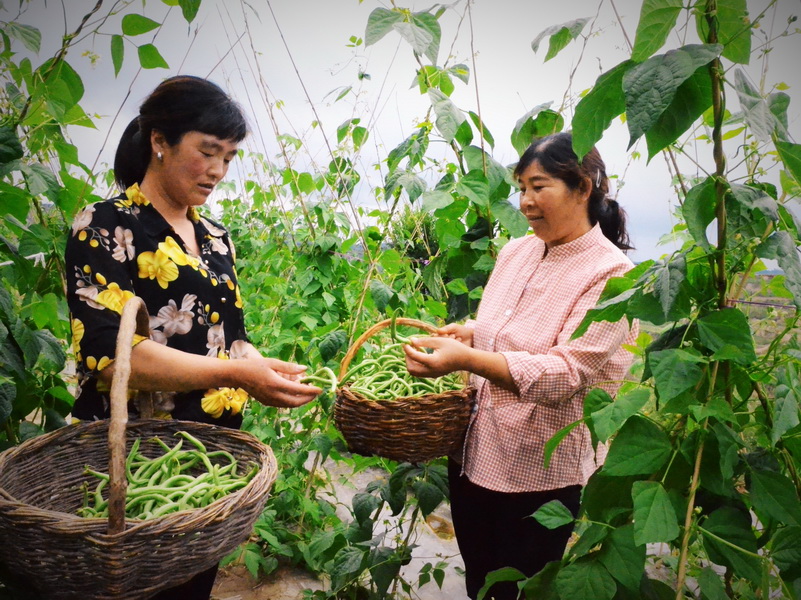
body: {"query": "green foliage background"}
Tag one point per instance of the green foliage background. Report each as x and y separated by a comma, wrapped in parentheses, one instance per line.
(705, 436)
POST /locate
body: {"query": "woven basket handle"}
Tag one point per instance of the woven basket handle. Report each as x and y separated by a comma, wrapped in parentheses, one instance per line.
(135, 319)
(343, 367)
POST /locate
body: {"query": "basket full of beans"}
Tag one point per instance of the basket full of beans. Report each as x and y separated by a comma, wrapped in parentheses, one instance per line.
(382, 410)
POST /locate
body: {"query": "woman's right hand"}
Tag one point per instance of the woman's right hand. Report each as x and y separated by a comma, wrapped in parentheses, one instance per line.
(458, 332)
(274, 382)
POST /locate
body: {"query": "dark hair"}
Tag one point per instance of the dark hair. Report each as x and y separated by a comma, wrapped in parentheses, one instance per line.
(555, 155)
(178, 105)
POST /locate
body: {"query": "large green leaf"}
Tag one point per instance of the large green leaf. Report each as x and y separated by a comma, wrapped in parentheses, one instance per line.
(608, 420)
(428, 496)
(699, 209)
(380, 22)
(381, 293)
(651, 86)
(654, 517)
(498, 576)
(657, 19)
(595, 111)
(785, 412)
(417, 37)
(537, 122)
(117, 53)
(14, 201)
(675, 371)
(434, 199)
(475, 187)
(669, 279)
(774, 495)
(641, 447)
(756, 112)
(10, 146)
(553, 514)
(733, 27)
(8, 392)
(429, 23)
(692, 98)
(791, 157)
(30, 36)
(728, 328)
(543, 585)
(133, 24)
(332, 343)
(585, 579)
(712, 587)
(449, 117)
(786, 548)
(781, 247)
(623, 557)
(510, 217)
(150, 57)
(559, 36)
(739, 546)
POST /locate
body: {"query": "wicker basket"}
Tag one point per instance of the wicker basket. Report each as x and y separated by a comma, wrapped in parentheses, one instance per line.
(66, 556)
(410, 429)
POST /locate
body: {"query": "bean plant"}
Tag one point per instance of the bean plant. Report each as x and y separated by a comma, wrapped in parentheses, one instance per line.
(699, 496)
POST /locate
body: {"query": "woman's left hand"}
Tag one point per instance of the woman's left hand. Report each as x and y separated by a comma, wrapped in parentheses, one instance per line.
(448, 355)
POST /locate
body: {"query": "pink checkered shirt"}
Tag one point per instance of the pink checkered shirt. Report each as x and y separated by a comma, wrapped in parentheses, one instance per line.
(530, 307)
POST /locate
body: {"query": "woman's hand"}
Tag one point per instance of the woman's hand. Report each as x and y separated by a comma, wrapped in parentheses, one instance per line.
(449, 355)
(458, 332)
(274, 382)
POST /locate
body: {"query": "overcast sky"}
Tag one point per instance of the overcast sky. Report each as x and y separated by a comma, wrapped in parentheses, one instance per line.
(297, 52)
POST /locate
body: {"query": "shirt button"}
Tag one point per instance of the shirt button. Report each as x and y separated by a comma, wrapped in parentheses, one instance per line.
(508, 312)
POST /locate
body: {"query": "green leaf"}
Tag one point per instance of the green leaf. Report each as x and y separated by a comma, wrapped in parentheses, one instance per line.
(654, 517)
(560, 36)
(595, 111)
(380, 22)
(622, 557)
(482, 127)
(493, 577)
(756, 112)
(449, 117)
(417, 37)
(585, 579)
(435, 199)
(189, 9)
(786, 548)
(734, 527)
(711, 583)
(332, 343)
(510, 218)
(641, 447)
(475, 187)
(675, 371)
(785, 412)
(150, 57)
(733, 29)
(8, 392)
(429, 23)
(364, 505)
(428, 496)
(774, 495)
(10, 146)
(669, 280)
(791, 157)
(381, 294)
(133, 24)
(14, 201)
(657, 19)
(30, 36)
(553, 514)
(728, 327)
(41, 180)
(692, 98)
(781, 247)
(651, 86)
(699, 209)
(608, 419)
(117, 53)
(537, 122)
(553, 443)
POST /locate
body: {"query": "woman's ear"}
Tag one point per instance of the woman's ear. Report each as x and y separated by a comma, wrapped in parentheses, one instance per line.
(158, 143)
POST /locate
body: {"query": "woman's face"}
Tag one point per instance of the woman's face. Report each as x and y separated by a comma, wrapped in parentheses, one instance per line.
(556, 214)
(189, 170)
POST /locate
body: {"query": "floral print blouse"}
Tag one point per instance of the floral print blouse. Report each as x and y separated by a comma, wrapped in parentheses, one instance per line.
(123, 247)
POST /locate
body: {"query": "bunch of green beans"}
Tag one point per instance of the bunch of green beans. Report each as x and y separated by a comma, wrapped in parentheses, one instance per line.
(383, 375)
(179, 479)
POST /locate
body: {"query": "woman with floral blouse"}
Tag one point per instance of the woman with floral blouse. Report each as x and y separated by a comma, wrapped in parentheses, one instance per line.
(530, 377)
(152, 242)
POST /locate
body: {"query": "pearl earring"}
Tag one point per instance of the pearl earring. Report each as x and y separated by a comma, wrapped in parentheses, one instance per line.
(160, 156)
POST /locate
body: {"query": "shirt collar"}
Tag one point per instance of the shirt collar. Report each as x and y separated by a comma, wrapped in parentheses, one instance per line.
(156, 225)
(587, 240)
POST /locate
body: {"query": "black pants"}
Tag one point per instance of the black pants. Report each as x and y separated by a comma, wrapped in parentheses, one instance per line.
(496, 530)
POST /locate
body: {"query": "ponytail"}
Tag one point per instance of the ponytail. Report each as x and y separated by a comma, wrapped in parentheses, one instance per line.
(132, 156)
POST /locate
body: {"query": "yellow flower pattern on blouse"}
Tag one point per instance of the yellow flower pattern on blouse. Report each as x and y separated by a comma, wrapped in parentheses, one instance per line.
(215, 401)
(157, 265)
(123, 247)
